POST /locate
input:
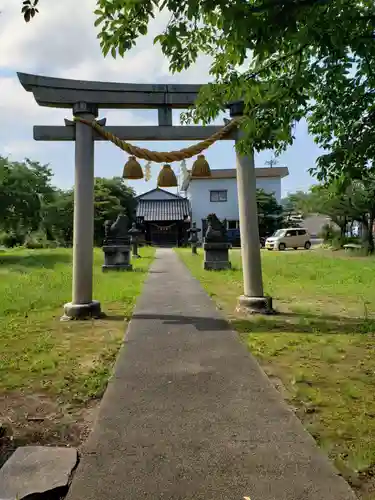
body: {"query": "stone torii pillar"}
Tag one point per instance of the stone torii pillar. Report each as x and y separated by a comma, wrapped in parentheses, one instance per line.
(253, 299)
(83, 305)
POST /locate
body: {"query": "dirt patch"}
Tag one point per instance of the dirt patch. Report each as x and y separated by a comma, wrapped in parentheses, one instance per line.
(40, 420)
(366, 491)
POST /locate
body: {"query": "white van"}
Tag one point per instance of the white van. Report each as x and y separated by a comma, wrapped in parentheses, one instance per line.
(291, 237)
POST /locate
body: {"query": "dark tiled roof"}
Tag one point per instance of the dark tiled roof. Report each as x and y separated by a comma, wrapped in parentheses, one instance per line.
(159, 210)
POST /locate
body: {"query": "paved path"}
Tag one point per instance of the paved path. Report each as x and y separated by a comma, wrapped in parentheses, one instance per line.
(190, 415)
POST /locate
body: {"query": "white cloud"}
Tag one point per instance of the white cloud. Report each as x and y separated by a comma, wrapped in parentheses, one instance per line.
(18, 148)
(62, 38)
(61, 41)
(61, 35)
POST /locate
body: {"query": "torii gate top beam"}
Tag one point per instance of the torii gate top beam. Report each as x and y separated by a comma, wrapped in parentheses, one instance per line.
(65, 93)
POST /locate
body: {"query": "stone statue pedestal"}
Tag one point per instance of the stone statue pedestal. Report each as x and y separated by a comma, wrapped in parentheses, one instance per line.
(216, 256)
(117, 258)
(116, 246)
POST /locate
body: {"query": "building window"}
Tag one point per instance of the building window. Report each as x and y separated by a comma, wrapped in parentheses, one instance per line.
(218, 195)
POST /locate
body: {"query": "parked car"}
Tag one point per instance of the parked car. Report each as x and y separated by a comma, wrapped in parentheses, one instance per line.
(291, 237)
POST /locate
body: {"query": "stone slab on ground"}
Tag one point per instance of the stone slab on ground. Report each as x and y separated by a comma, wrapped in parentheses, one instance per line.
(36, 470)
(190, 415)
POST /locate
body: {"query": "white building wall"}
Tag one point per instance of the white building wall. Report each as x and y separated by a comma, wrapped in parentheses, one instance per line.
(270, 185)
(198, 194)
(201, 206)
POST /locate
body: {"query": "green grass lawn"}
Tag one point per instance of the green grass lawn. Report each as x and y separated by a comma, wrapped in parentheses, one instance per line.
(319, 351)
(50, 370)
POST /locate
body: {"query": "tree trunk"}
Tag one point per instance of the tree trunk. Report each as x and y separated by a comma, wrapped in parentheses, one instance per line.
(341, 223)
(365, 233)
(343, 229)
(370, 236)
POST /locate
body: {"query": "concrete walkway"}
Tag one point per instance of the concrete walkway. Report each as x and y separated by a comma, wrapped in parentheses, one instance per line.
(190, 415)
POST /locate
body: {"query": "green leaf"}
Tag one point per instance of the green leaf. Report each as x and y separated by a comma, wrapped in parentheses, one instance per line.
(143, 29)
(99, 20)
(27, 15)
(286, 59)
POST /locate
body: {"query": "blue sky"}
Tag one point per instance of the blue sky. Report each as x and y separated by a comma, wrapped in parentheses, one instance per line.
(72, 51)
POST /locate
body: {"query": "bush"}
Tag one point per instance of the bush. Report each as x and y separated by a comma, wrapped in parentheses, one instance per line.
(38, 240)
(332, 237)
(11, 239)
(352, 239)
(329, 233)
(339, 241)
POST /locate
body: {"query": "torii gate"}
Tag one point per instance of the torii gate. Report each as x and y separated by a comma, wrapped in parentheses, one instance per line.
(85, 98)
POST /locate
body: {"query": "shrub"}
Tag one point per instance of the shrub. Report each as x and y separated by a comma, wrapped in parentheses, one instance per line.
(332, 237)
(38, 240)
(11, 239)
(339, 241)
(329, 233)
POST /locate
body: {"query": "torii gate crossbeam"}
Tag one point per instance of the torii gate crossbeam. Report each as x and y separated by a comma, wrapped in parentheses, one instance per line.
(85, 98)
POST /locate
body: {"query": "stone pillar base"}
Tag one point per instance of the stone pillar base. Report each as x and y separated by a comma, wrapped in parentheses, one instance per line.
(255, 305)
(82, 311)
(117, 267)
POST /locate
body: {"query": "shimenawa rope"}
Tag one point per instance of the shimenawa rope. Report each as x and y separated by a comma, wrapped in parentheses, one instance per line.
(162, 157)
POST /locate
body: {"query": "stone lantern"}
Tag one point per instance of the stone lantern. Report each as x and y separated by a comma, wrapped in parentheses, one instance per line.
(193, 239)
(134, 233)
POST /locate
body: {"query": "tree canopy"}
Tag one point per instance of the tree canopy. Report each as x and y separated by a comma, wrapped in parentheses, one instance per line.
(296, 204)
(286, 59)
(355, 204)
(33, 210)
(270, 213)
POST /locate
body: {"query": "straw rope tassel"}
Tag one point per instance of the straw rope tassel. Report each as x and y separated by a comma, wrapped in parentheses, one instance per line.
(162, 157)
